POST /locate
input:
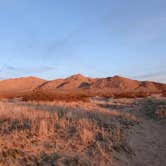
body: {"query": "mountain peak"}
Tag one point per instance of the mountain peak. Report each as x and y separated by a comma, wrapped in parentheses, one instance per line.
(77, 83)
(118, 77)
(77, 76)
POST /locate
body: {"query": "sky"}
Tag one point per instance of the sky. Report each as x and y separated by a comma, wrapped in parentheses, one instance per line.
(97, 38)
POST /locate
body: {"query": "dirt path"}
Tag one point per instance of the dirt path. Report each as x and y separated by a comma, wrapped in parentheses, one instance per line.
(148, 140)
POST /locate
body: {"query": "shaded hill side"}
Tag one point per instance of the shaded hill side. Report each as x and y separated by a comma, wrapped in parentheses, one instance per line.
(115, 82)
(78, 86)
(71, 83)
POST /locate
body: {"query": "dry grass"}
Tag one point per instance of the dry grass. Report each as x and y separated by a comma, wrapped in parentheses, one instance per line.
(155, 108)
(60, 133)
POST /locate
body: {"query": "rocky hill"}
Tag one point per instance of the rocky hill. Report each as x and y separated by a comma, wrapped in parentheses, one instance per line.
(79, 86)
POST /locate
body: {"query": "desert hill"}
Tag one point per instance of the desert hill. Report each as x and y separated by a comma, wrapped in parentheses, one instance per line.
(79, 85)
(19, 86)
(114, 83)
(74, 82)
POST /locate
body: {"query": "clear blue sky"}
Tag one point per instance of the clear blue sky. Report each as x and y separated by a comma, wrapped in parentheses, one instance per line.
(98, 38)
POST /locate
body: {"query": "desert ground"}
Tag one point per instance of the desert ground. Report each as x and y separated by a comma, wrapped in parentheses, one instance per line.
(96, 132)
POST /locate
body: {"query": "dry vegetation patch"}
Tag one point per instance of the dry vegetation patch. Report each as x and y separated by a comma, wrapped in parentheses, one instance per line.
(155, 108)
(60, 133)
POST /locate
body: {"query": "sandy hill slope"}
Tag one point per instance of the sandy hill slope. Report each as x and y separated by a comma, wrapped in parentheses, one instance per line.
(118, 84)
(115, 82)
(76, 81)
(79, 85)
(73, 82)
(151, 86)
(17, 86)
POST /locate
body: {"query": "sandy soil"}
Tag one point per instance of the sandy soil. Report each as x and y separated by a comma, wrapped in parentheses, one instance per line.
(148, 141)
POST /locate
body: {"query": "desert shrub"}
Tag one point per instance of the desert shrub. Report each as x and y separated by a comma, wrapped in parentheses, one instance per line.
(164, 93)
(78, 132)
(129, 94)
(67, 97)
(155, 108)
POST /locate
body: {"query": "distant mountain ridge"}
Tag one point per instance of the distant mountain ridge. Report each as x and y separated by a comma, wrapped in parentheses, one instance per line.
(78, 85)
